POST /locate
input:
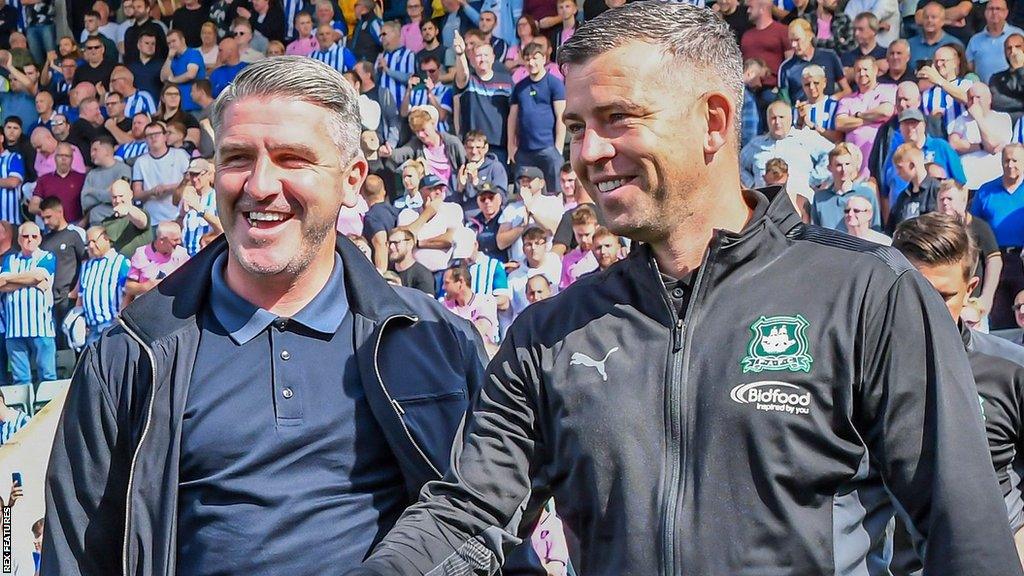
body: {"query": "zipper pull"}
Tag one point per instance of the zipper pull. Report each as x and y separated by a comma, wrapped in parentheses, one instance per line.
(677, 335)
(398, 407)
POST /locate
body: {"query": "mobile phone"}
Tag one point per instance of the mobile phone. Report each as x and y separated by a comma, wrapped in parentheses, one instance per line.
(923, 63)
(16, 478)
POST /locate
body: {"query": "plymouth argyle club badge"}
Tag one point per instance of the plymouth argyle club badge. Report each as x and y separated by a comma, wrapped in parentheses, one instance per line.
(778, 343)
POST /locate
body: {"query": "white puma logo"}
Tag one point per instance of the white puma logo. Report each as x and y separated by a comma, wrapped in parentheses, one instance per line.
(584, 360)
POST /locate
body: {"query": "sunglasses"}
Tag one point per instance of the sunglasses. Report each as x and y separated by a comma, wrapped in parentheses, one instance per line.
(92, 47)
(855, 210)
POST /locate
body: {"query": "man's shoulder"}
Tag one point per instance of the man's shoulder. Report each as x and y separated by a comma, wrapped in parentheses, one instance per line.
(998, 349)
(853, 257)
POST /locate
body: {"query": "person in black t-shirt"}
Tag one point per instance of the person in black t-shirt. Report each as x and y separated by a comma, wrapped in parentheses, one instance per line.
(922, 191)
(401, 242)
(431, 43)
(67, 245)
(190, 19)
(953, 201)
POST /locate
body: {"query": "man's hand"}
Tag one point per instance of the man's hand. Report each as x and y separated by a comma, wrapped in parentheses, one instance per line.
(121, 210)
(431, 205)
(243, 12)
(459, 44)
(45, 284)
(930, 74)
(190, 198)
(382, 63)
(414, 80)
(384, 151)
(473, 172)
(461, 177)
(16, 493)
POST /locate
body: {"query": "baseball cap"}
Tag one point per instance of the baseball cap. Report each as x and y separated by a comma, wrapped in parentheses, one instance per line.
(430, 181)
(198, 166)
(911, 114)
(488, 188)
(530, 172)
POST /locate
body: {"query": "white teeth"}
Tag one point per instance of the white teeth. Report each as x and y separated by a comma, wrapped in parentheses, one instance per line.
(611, 184)
(267, 217)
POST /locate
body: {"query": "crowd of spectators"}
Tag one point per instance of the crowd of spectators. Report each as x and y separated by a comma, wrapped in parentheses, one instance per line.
(867, 112)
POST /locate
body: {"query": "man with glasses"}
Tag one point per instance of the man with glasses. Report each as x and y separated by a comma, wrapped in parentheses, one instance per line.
(26, 278)
(122, 81)
(117, 122)
(96, 69)
(429, 90)
(101, 284)
(241, 31)
(157, 174)
(45, 145)
(401, 242)
(857, 217)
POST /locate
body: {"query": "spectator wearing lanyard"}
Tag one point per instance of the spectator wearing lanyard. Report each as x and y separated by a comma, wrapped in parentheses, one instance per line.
(101, 285)
(27, 280)
(198, 206)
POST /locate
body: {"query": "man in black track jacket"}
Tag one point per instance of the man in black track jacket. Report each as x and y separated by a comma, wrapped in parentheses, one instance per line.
(744, 395)
(941, 248)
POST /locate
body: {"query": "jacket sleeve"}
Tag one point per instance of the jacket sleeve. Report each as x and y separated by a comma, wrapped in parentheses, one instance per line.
(86, 481)
(464, 524)
(920, 418)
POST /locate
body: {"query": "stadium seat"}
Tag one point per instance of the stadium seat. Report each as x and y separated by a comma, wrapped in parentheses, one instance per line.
(47, 391)
(19, 396)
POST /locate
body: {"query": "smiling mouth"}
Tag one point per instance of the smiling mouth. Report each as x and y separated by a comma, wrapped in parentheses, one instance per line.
(610, 185)
(263, 220)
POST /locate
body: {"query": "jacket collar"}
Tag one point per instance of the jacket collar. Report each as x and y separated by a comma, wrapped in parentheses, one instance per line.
(176, 302)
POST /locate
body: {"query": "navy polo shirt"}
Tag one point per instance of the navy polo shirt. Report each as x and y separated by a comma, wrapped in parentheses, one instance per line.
(487, 237)
(536, 99)
(284, 469)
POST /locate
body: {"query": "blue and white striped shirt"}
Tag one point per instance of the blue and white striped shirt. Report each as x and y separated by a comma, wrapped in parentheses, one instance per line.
(139, 102)
(444, 96)
(102, 287)
(402, 61)
(29, 310)
(488, 276)
(130, 150)
(935, 100)
(1018, 131)
(11, 164)
(291, 8)
(338, 57)
(9, 427)
(195, 226)
(821, 114)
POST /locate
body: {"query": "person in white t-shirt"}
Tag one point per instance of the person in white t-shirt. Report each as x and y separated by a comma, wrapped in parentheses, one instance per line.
(979, 135)
(535, 207)
(157, 174)
(539, 259)
(436, 225)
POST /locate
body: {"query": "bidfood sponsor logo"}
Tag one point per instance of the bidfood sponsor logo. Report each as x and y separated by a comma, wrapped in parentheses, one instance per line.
(773, 396)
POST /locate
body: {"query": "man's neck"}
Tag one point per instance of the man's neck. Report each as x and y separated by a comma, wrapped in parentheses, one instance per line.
(464, 297)
(995, 30)
(763, 21)
(27, 253)
(434, 141)
(869, 87)
(282, 294)
(536, 77)
(59, 227)
(932, 37)
(896, 74)
(484, 75)
(432, 44)
(144, 59)
(139, 22)
(107, 162)
(918, 179)
(807, 57)
(722, 207)
(64, 175)
(867, 48)
(158, 152)
(1012, 185)
(843, 186)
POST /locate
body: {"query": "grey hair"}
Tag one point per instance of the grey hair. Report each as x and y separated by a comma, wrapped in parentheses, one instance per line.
(696, 36)
(299, 78)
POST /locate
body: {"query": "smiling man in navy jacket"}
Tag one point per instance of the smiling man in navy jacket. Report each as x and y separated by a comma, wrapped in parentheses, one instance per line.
(273, 406)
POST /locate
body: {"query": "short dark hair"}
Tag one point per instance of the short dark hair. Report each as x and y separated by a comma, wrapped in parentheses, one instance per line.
(429, 58)
(936, 239)
(460, 271)
(106, 139)
(51, 203)
(566, 168)
(583, 215)
(531, 49)
(203, 85)
(92, 13)
(475, 135)
(14, 120)
(535, 233)
(146, 32)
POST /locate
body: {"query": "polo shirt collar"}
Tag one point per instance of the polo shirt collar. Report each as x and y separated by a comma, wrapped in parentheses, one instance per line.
(244, 321)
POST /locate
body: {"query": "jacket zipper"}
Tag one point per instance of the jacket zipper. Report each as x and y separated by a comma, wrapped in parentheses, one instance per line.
(138, 448)
(394, 403)
(678, 356)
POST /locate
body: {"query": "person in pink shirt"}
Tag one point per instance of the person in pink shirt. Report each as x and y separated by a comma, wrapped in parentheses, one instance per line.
(411, 36)
(552, 68)
(46, 151)
(580, 260)
(480, 309)
(305, 41)
(155, 261)
(350, 219)
(862, 113)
